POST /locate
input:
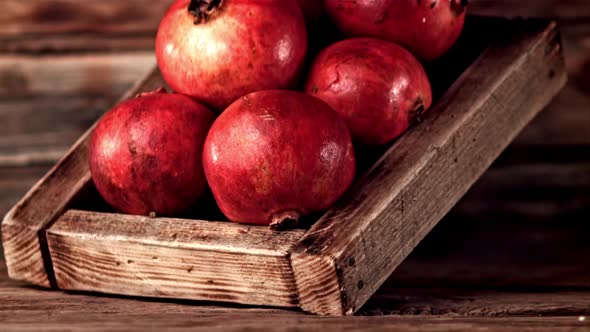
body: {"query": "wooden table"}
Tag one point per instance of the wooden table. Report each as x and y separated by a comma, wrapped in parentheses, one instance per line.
(514, 254)
(479, 269)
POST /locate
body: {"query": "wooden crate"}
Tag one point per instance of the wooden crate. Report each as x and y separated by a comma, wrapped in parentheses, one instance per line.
(498, 77)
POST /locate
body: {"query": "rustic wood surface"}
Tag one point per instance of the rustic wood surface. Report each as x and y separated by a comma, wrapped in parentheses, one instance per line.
(21, 228)
(486, 304)
(515, 245)
(86, 75)
(372, 230)
(490, 102)
(70, 16)
(173, 258)
(566, 121)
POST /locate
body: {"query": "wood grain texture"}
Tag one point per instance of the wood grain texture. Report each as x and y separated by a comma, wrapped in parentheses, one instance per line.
(93, 74)
(462, 252)
(561, 9)
(15, 182)
(534, 240)
(566, 121)
(76, 43)
(282, 322)
(32, 309)
(477, 302)
(43, 17)
(173, 258)
(38, 131)
(371, 231)
(430, 168)
(317, 284)
(45, 202)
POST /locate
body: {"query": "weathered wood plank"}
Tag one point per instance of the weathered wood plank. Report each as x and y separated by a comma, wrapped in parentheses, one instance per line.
(464, 247)
(14, 183)
(74, 75)
(566, 121)
(538, 210)
(134, 16)
(142, 316)
(519, 228)
(173, 258)
(45, 202)
(533, 190)
(74, 16)
(369, 233)
(566, 9)
(30, 309)
(32, 137)
(41, 130)
(502, 268)
(444, 143)
(79, 42)
(477, 302)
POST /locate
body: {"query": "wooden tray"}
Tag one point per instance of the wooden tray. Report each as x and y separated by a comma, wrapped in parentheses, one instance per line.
(498, 77)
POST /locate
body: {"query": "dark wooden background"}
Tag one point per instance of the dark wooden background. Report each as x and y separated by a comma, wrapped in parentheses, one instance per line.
(517, 245)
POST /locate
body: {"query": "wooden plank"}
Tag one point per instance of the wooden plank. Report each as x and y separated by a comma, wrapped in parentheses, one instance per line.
(249, 322)
(134, 16)
(90, 313)
(477, 302)
(31, 309)
(40, 130)
(566, 121)
(535, 190)
(538, 211)
(74, 75)
(14, 183)
(173, 258)
(501, 68)
(520, 228)
(373, 229)
(19, 303)
(563, 9)
(74, 16)
(45, 202)
(79, 42)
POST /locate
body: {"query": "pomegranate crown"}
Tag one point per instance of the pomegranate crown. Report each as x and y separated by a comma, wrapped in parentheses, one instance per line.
(203, 9)
(459, 5)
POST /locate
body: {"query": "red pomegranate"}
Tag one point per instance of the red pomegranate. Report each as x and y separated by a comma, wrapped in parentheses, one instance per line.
(274, 156)
(378, 87)
(145, 154)
(428, 28)
(219, 50)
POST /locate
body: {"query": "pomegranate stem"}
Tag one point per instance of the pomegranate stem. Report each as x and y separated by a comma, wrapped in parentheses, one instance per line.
(203, 9)
(284, 220)
(459, 6)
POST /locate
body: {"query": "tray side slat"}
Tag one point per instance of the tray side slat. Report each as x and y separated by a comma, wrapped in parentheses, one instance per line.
(173, 258)
(373, 229)
(22, 228)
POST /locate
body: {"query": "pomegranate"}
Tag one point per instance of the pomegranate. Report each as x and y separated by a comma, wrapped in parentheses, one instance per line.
(275, 156)
(219, 50)
(145, 154)
(428, 28)
(378, 87)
